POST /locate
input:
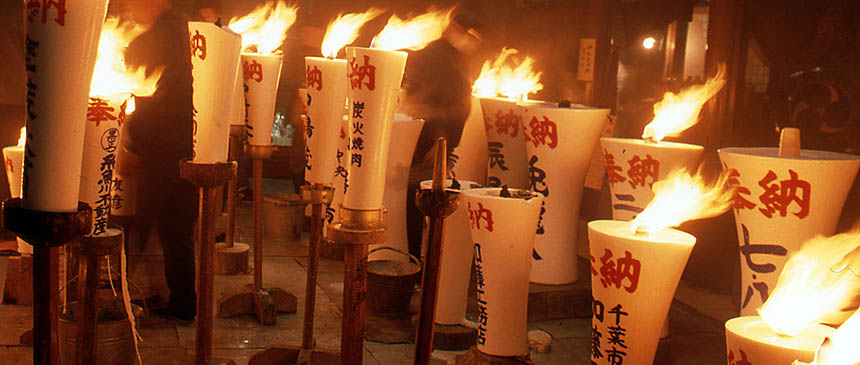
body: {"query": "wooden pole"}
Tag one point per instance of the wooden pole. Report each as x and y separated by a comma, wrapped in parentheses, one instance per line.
(258, 224)
(87, 309)
(45, 305)
(311, 282)
(354, 296)
(206, 277)
(230, 235)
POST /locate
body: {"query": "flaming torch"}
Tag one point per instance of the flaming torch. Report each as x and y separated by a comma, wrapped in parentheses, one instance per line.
(14, 158)
(781, 202)
(263, 31)
(636, 266)
(503, 84)
(840, 348)
(633, 165)
(817, 284)
(374, 76)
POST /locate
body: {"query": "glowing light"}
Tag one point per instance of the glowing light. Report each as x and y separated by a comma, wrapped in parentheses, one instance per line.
(677, 112)
(265, 28)
(841, 348)
(413, 34)
(130, 105)
(648, 43)
(22, 138)
(504, 77)
(681, 197)
(820, 279)
(344, 30)
(111, 77)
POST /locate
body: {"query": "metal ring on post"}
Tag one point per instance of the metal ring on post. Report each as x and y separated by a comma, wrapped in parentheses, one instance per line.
(259, 152)
(207, 175)
(317, 193)
(358, 227)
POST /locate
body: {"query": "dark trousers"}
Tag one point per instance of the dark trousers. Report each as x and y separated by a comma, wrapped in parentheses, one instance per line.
(170, 203)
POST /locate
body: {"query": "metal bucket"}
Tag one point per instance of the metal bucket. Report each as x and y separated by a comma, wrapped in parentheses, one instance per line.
(114, 343)
(283, 216)
(390, 283)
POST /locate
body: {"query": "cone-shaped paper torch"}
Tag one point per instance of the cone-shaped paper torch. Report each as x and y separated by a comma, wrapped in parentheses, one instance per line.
(502, 85)
(263, 31)
(61, 43)
(14, 161)
(374, 76)
(214, 60)
(111, 101)
(326, 97)
(559, 144)
(503, 232)
(636, 266)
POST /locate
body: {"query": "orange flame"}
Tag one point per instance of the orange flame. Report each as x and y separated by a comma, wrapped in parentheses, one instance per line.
(819, 280)
(110, 76)
(841, 347)
(681, 197)
(500, 77)
(413, 34)
(677, 112)
(22, 138)
(344, 30)
(264, 29)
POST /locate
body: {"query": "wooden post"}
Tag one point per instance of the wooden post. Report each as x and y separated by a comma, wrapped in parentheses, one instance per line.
(46, 349)
(87, 309)
(354, 297)
(258, 224)
(206, 278)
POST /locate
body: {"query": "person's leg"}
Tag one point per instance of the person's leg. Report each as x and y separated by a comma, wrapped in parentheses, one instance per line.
(176, 225)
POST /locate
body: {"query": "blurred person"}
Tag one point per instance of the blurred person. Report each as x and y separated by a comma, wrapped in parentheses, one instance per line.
(159, 135)
(207, 11)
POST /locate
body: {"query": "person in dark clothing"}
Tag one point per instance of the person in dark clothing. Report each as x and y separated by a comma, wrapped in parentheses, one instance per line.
(159, 135)
(438, 90)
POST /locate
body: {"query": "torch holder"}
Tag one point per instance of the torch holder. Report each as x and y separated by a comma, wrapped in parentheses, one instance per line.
(356, 230)
(207, 176)
(254, 299)
(46, 231)
(91, 249)
(231, 257)
(436, 205)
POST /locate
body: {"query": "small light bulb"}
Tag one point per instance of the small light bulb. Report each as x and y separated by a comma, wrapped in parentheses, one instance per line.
(648, 43)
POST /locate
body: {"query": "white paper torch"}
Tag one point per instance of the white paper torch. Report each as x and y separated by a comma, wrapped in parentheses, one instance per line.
(374, 76)
(263, 31)
(326, 97)
(13, 157)
(61, 42)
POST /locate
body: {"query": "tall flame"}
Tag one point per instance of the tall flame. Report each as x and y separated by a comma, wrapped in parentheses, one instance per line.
(413, 34)
(677, 112)
(111, 76)
(681, 197)
(22, 138)
(344, 30)
(508, 79)
(264, 29)
(822, 278)
(841, 347)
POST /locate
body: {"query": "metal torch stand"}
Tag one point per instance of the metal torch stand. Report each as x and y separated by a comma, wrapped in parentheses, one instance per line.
(46, 231)
(208, 176)
(231, 257)
(91, 249)
(355, 231)
(264, 303)
(436, 205)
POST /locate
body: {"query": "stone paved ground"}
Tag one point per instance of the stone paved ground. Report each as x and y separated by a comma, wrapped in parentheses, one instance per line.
(695, 339)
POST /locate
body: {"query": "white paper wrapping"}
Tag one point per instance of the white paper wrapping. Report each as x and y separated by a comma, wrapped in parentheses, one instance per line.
(123, 189)
(404, 135)
(750, 339)
(214, 61)
(61, 43)
(559, 146)
(633, 165)
(374, 84)
(14, 161)
(470, 157)
(506, 146)
(455, 263)
(105, 117)
(779, 204)
(503, 231)
(262, 74)
(341, 177)
(325, 100)
(633, 281)
(237, 101)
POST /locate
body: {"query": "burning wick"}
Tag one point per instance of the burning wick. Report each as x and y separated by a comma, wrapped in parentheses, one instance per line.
(264, 29)
(413, 34)
(344, 30)
(681, 197)
(678, 112)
